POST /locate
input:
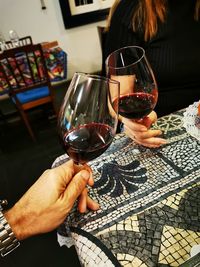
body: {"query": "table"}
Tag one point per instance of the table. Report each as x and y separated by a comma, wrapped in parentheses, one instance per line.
(150, 202)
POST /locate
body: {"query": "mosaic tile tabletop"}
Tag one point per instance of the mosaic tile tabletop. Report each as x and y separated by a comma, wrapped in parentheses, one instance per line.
(150, 203)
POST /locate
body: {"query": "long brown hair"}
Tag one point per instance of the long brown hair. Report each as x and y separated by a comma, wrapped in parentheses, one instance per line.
(147, 15)
(112, 10)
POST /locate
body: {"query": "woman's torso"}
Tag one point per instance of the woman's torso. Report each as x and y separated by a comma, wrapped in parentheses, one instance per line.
(174, 52)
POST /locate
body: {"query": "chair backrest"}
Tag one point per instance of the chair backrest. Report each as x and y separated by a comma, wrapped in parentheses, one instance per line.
(23, 68)
(26, 40)
(23, 73)
(56, 61)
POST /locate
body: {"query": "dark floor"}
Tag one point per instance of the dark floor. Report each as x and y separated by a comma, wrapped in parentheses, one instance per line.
(21, 162)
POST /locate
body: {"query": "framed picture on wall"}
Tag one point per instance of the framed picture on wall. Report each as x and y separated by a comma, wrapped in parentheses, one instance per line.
(80, 12)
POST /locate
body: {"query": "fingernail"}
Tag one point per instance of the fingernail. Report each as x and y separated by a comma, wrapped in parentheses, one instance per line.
(85, 174)
(163, 142)
(97, 206)
(91, 176)
(144, 129)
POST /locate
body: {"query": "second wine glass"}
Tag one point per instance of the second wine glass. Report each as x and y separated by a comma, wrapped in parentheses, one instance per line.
(88, 116)
(138, 88)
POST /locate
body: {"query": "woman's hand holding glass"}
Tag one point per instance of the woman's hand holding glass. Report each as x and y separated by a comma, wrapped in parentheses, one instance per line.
(138, 94)
(141, 133)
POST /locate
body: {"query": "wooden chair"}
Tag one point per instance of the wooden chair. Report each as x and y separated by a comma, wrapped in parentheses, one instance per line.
(23, 73)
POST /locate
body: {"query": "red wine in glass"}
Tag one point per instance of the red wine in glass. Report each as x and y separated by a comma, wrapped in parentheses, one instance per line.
(88, 116)
(138, 88)
(136, 105)
(88, 141)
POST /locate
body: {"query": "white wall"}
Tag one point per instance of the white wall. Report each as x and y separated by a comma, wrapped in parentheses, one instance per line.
(27, 18)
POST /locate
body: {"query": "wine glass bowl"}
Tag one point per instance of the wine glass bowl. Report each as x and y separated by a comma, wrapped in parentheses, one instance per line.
(88, 116)
(138, 88)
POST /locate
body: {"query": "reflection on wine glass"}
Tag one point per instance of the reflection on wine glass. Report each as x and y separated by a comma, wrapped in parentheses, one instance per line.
(14, 38)
(2, 43)
(88, 118)
(138, 88)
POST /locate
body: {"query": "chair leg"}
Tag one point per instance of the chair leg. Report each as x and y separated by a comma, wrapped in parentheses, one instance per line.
(3, 124)
(2, 117)
(55, 109)
(26, 121)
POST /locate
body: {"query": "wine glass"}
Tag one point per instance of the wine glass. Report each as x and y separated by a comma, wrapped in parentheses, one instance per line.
(138, 88)
(88, 116)
(14, 38)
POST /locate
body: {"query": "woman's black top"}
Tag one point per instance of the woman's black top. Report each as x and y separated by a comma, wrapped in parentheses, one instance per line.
(173, 53)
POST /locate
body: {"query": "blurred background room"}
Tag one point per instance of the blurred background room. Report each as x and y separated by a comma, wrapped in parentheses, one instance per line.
(65, 26)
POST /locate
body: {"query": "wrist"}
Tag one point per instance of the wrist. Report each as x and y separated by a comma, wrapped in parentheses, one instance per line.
(8, 240)
(120, 127)
(15, 220)
(120, 118)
